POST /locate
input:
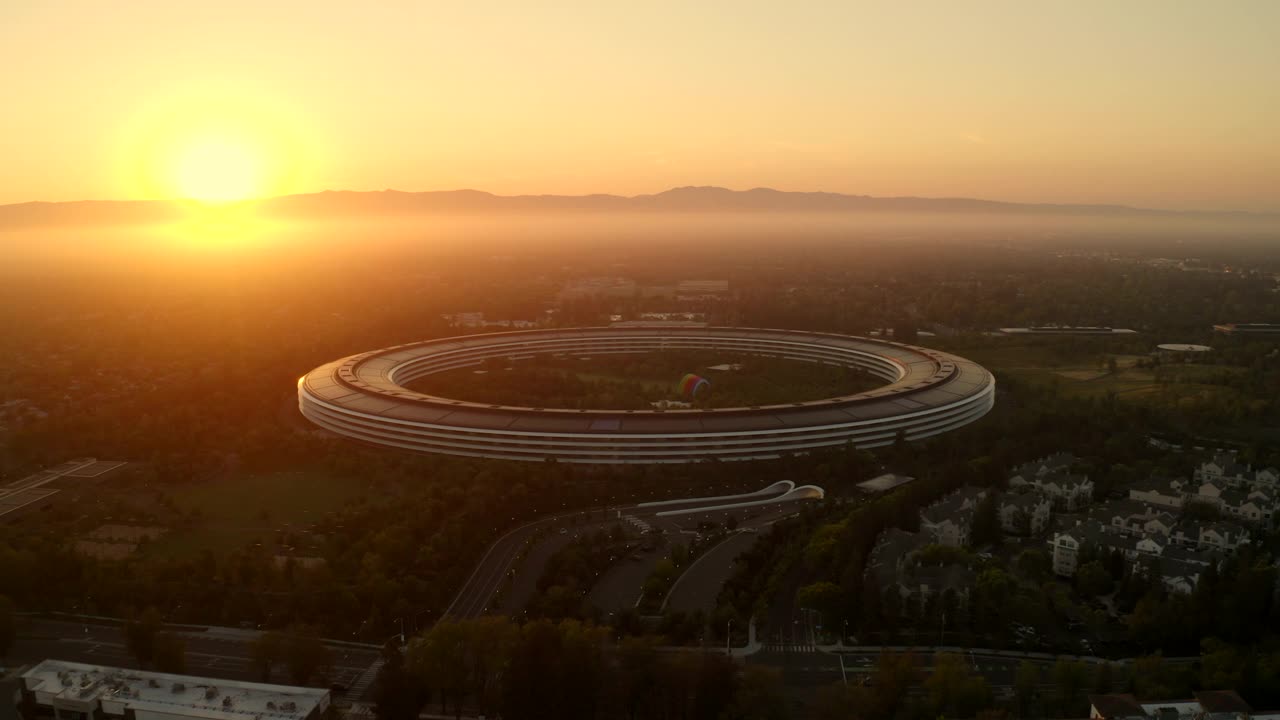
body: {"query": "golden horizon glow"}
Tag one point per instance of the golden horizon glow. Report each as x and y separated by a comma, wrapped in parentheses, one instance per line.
(212, 226)
(213, 144)
(1153, 103)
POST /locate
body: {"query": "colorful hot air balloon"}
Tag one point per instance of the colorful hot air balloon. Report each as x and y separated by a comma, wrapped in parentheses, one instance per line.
(690, 385)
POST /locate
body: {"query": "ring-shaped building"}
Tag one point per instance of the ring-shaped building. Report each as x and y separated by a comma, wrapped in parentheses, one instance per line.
(364, 397)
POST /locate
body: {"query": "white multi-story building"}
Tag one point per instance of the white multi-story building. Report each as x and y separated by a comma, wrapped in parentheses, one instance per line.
(1222, 536)
(1025, 513)
(1179, 567)
(894, 565)
(1052, 476)
(1159, 491)
(1225, 469)
(950, 520)
(1250, 504)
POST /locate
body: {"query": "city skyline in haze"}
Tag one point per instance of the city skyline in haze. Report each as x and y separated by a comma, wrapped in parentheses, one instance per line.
(1168, 105)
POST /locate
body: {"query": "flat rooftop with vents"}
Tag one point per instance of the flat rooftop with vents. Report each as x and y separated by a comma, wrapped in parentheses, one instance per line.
(60, 690)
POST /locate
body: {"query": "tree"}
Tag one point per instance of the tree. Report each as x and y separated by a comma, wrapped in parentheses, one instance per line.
(170, 653)
(993, 589)
(1034, 565)
(841, 702)
(1092, 579)
(8, 631)
(489, 641)
(397, 694)
(1103, 679)
(434, 659)
(140, 635)
(759, 695)
(1153, 677)
(715, 686)
(822, 596)
(267, 650)
(1223, 665)
(1026, 685)
(1070, 677)
(955, 691)
(894, 676)
(305, 655)
(638, 664)
(986, 521)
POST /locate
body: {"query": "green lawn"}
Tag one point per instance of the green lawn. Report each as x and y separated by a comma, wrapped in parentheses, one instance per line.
(275, 499)
(244, 508)
(1080, 372)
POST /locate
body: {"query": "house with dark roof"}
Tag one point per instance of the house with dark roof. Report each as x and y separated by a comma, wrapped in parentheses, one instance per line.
(892, 554)
(949, 520)
(1132, 517)
(1115, 707)
(1025, 513)
(1222, 536)
(1222, 704)
(1057, 462)
(1068, 491)
(1224, 468)
(1066, 545)
(1158, 491)
(895, 565)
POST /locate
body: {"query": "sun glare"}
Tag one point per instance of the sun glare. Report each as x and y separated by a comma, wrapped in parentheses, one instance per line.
(215, 146)
(218, 170)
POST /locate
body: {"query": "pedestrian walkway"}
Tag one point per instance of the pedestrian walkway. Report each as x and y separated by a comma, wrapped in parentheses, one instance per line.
(362, 683)
(637, 523)
(789, 648)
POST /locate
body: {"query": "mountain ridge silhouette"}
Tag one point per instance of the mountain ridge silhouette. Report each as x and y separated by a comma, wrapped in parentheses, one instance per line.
(686, 199)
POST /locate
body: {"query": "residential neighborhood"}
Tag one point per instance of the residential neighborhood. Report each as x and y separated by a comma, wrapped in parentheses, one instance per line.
(1167, 527)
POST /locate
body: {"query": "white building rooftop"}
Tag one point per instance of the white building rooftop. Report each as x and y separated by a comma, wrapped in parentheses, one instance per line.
(884, 483)
(153, 695)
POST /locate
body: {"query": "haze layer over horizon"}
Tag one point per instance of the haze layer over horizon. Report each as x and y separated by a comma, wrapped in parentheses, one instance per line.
(1148, 104)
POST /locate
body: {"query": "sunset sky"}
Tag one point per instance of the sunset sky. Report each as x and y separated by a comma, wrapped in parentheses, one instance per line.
(1151, 103)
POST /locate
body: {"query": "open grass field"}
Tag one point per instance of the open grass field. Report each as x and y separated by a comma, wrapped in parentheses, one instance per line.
(636, 381)
(242, 509)
(1077, 371)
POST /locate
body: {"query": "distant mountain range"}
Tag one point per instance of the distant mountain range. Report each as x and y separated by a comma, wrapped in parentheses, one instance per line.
(330, 204)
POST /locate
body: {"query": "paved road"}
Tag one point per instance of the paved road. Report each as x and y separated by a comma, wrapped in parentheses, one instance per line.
(806, 665)
(525, 576)
(698, 587)
(477, 593)
(217, 652)
(476, 596)
(619, 588)
(19, 494)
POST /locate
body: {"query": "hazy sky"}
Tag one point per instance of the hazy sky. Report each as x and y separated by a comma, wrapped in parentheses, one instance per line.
(1155, 103)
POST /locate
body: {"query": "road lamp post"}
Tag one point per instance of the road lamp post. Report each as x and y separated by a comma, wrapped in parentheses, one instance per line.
(728, 634)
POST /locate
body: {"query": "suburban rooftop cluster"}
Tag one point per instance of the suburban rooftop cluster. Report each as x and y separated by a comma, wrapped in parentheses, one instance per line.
(1152, 529)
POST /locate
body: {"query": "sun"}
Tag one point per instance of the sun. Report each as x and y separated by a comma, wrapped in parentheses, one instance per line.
(217, 145)
(218, 169)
